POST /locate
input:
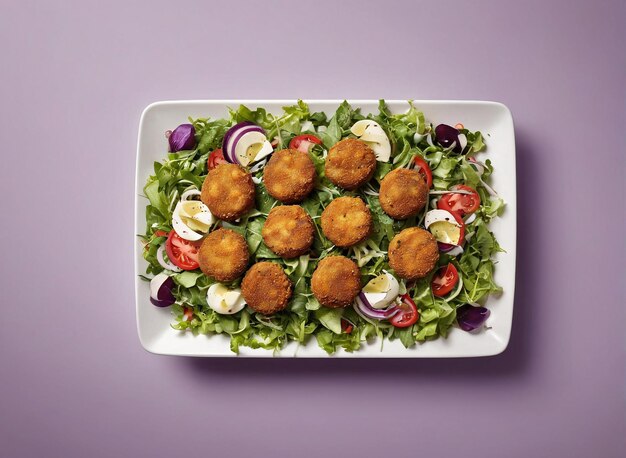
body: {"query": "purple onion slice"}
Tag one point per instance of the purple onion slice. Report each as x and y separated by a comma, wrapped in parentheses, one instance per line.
(182, 138)
(363, 306)
(447, 135)
(471, 318)
(161, 290)
(233, 135)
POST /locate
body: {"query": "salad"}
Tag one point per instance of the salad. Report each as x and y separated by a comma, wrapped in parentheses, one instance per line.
(341, 229)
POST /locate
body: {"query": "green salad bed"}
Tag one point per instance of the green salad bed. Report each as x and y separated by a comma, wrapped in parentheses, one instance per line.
(448, 156)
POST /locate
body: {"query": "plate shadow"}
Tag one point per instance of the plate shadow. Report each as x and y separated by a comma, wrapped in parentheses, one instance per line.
(514, 362)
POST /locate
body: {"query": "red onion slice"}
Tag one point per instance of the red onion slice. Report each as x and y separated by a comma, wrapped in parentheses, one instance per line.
(161, 290)
(230, 132)
(232, 145)
(166, 264)
(470, 219)
(452, 250)
(445, 247)
(189, 194)
(232, 137)
(363, 306)
(471, 318)
(182, 138)
(448, 137)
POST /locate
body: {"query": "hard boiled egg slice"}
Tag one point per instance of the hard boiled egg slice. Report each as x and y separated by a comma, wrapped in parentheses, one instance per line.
(382, 290)
(443, 226)
(223, 300)
(360, 128)
(252, 147)
(372, 129)
(381, 148)
(191, 219)
(374, 136)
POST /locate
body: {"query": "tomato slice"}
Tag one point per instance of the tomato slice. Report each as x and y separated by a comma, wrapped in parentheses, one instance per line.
(424, 169)
(304, 142)
(216, 158)
(445, 280)
(463, 204)
(408, 314)
(183, 253)
(346, 326)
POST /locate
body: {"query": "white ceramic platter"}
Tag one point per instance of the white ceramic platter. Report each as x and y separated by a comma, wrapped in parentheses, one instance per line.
(492, 119)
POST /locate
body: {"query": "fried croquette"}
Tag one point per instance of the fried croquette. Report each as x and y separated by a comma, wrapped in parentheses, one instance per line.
(228, 191)
(403, 193)
(350, 163)
(336, 281)
(266, 288)
(346, 221)
(289, 176)
(288, 231)
(224, 255)
(413, 253)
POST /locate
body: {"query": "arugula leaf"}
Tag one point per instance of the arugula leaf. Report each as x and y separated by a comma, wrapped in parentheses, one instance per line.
(332, 134)
(343, 115)
(259, 116)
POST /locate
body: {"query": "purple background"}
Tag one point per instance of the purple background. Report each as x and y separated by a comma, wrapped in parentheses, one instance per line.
(74, 380)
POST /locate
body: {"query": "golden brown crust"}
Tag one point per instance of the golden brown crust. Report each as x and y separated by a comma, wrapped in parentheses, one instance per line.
(350, 163)
(346, 221)
(288, 231)
(336, 281)
(224, 255)
(228, 191)
(403, 193)
(266, 288)
(289, 175)
(413, 253)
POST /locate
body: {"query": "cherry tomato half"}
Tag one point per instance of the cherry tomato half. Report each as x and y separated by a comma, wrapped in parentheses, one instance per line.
(216, 158)
(424, 170)
(408, 314)
(183, 253)
(346, 326)
(304, 142)
(444, 280)
(463, 204)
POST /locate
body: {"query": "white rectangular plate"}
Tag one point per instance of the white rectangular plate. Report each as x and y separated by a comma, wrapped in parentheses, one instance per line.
(492, 119)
